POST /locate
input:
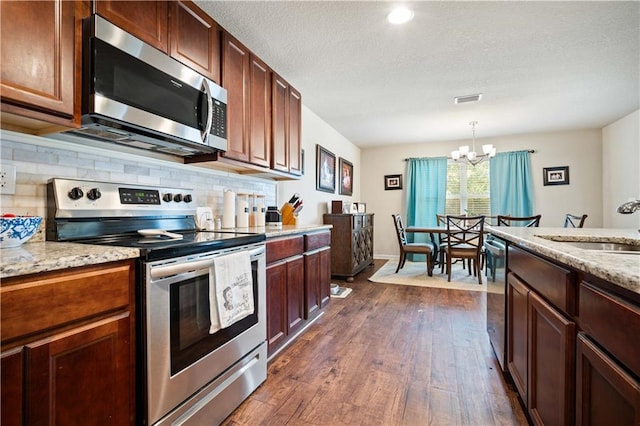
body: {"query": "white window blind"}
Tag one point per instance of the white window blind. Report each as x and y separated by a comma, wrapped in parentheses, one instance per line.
(468, 189)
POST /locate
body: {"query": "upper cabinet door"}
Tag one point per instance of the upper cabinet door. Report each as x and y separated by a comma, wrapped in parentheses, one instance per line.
(235, 78)
(36, 45)
(280, 111)
(194, 39)
(295, 132)
(146, 20)
(260, 113)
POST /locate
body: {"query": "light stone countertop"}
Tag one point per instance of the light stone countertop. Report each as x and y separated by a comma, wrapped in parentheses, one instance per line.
(36, 257)
(621, 269)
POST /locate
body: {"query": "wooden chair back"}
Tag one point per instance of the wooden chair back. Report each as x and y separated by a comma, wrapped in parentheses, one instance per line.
(524, 221)
(400, 232)
(465, 232)
(573, 221)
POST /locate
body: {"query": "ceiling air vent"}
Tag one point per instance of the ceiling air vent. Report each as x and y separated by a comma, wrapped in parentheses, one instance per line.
(467, 98)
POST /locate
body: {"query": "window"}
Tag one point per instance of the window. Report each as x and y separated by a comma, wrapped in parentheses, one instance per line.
(468, 189)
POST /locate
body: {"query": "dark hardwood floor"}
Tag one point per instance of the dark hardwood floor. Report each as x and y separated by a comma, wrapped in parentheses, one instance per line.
(388, 355)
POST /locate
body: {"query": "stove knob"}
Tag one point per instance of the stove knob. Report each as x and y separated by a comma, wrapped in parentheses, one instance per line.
(94, 194)
(167, 197)
(76, 193)
(188, 198)
(177, 198)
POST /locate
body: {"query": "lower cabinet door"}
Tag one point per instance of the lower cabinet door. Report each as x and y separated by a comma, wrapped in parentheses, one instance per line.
(83, 373)
(551, 364)
(517, 320)
(325, 276)
(311, 283)
(295, 294)
(605, 393)
(11, 386)
(276, 304)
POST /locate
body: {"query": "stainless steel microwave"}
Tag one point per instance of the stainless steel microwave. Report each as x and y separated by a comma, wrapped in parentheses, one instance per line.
(136, 95)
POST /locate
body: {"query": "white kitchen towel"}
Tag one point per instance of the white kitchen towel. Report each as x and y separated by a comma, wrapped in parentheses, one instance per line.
(231, 295)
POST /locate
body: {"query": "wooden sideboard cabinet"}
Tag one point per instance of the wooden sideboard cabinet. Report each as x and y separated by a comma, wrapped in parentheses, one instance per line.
(68, 345)
(351, 243)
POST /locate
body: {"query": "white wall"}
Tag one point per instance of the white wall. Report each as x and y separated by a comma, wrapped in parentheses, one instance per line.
(316, 131)
(581, 150)
(621, 170)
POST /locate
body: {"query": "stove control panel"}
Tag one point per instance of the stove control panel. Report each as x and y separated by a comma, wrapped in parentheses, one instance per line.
(83, 198)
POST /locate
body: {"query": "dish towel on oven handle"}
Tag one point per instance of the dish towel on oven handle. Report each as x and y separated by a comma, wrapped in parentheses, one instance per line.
(231, 295)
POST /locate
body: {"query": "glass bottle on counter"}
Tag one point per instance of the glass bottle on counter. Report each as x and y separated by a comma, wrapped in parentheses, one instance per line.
(260, 221)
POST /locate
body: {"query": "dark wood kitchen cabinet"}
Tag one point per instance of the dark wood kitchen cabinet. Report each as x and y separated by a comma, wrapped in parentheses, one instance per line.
(178, 28)
(541, 337)
(38, 59)
(68, 342)
(608, 358)
(285, 289)
(248, 84)
(351, 243)
(194, 39)
(146, 20)
(317, 272)
(287, 127)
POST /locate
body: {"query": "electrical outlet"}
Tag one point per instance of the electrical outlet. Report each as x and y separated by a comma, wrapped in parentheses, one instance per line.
(7, 179)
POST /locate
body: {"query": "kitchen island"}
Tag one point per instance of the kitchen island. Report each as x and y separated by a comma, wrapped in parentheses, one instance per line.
(572, 318)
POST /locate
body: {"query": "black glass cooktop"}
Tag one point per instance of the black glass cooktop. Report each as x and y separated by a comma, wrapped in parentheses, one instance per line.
(192, 242)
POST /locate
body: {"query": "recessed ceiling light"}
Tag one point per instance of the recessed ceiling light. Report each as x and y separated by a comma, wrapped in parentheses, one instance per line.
(400, 15)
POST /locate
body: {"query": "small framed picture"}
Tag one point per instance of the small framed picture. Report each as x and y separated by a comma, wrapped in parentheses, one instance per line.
(325, 170)
(556, 175)
(392, 182)
(346, 177)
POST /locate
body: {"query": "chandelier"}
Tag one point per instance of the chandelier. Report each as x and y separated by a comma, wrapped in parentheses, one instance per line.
(463, 155)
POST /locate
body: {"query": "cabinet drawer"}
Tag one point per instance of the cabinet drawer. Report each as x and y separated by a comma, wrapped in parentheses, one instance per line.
(282, 248)
(32, 305)
(317, 240)
(613, 323)
(553, 282)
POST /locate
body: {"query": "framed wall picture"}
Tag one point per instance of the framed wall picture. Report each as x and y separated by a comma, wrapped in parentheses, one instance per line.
(346, 177)
(392, 182)
(556, 175)
(325, 170)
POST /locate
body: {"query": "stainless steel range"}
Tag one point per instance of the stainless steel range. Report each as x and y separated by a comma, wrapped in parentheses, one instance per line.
(191, 369)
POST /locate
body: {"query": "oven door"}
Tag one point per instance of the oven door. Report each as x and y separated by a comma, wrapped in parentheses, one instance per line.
(181, 356)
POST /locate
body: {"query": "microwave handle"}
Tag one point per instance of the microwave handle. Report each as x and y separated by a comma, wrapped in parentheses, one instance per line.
(207, 128)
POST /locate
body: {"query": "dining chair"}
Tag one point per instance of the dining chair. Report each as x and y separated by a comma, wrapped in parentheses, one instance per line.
(573, 221)
(466, 236)
(406, 247)
(524, 221)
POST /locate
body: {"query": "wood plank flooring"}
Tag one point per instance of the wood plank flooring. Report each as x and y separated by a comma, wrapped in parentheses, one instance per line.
(388, 355)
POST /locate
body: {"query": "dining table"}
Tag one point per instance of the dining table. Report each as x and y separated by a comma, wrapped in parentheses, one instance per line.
(432, 231)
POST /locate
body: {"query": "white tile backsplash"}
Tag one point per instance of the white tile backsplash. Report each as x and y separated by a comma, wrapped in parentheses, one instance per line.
(39, 159)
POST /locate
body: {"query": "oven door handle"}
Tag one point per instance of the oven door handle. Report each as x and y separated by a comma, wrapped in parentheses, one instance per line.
(182, 268)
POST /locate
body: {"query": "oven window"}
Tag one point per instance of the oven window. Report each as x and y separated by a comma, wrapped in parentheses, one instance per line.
(189, 319)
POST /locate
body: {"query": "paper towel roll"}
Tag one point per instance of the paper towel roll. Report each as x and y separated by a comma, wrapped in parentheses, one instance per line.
(229, 209)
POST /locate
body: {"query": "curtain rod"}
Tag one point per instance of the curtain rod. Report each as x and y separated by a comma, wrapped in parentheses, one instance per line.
(531, 151)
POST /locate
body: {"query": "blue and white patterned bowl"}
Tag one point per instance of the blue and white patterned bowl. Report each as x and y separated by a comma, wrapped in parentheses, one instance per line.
(18, 230)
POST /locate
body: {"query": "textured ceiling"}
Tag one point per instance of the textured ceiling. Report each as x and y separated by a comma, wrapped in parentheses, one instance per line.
(542, 66)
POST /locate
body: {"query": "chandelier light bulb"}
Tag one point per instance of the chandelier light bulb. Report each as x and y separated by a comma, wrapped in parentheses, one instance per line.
(470, 156)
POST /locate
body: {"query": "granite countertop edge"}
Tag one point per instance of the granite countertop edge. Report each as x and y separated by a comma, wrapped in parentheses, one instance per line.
(38, 257)
(45, 256)
(618, 268)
